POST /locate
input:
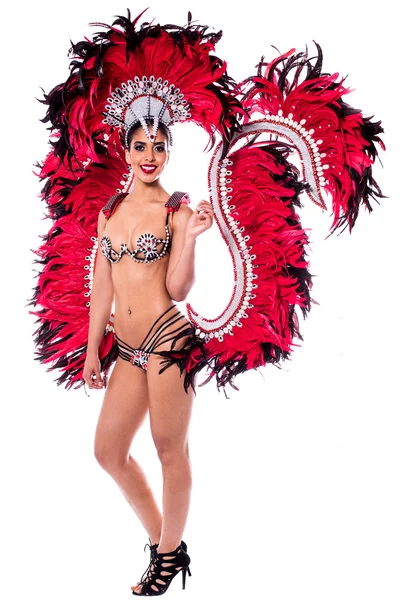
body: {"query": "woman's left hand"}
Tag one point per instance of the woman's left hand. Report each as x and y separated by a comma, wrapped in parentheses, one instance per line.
(200, 220)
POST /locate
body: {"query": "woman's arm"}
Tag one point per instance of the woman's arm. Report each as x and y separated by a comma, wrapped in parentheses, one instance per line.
(102, 296)
(188, 224)
(180, 273)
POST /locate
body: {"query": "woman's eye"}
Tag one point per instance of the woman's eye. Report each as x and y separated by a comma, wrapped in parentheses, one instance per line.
(140, 148)
(160, 148)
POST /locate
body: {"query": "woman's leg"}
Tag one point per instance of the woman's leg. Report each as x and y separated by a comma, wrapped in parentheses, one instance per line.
(170, 411)
(124, 409)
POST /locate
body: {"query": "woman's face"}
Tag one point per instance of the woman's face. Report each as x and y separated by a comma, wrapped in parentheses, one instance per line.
(147, 158)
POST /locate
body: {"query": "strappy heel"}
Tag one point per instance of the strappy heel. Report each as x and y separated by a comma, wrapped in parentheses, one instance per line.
(162, 571)
(153, 554)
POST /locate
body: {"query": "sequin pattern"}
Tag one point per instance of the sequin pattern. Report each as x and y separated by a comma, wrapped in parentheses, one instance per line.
(146, 243)
(140, 358)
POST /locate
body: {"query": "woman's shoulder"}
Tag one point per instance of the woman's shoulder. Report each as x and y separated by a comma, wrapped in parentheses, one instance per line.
(175, 201)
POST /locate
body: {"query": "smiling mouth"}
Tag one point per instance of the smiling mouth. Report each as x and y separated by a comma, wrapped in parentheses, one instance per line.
(148, 168)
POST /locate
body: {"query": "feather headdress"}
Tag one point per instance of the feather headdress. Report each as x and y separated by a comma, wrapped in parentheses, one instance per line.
(289, 107)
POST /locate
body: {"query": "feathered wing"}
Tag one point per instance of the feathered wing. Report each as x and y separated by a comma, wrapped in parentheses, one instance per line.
(86, 166)
(255, 191)
(75, 194)
(336, 142)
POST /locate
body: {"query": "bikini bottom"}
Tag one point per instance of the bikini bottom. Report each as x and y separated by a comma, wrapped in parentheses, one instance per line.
(155, 338)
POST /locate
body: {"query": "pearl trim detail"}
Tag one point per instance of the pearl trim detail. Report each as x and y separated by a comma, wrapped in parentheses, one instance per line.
(143, 98)
(240, 252)
(230, 227)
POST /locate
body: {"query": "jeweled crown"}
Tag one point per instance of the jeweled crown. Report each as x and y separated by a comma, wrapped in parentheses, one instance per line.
(144, 99)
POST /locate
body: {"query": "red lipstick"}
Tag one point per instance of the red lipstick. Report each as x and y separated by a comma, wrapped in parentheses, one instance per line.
(148, 169)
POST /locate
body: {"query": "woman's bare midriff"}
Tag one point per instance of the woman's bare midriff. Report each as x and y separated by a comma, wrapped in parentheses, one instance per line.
(140, 298)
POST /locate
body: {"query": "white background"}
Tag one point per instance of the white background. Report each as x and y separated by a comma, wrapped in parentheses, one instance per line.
(296, 477)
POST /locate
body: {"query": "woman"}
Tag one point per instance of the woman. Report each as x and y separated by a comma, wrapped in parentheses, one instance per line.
(144, 297)
(170, 73)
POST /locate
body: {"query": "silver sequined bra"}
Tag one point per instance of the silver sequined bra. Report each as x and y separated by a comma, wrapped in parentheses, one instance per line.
(147, 242)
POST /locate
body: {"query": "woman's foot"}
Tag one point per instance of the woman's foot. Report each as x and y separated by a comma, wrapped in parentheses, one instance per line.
(150, 569)
(162, 571)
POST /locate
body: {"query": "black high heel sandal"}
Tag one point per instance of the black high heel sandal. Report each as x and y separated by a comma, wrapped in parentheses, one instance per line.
(162, 571)
(153, 554)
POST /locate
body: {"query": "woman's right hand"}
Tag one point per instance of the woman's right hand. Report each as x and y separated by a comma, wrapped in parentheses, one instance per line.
(91, 372)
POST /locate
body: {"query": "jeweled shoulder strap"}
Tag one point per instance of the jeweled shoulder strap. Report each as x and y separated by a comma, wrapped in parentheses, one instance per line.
(112, 204)
(174, 202)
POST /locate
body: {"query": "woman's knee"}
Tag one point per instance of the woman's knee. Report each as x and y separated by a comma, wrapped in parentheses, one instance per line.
(169, 452)
(108, 456)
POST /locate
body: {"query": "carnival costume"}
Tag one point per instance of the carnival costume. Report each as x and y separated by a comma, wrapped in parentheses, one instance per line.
(131, 74)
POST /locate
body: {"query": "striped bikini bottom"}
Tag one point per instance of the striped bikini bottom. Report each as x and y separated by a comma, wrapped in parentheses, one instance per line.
(157, 336)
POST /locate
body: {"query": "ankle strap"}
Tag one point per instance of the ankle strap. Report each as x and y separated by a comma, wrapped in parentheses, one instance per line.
(177, 550)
